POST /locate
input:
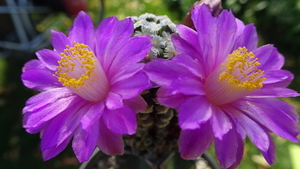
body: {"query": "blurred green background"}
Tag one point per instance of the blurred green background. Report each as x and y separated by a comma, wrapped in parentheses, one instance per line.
(277, 22)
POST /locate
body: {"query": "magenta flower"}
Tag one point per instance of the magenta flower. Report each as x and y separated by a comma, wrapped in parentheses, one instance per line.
(224, 88)
(87, 89)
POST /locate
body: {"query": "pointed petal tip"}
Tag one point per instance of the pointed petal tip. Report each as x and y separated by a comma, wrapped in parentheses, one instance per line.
(118, 153)
(46, 157)
(186, 157)
(113, 152)
(295, 140)
(53, 31)
(83, 158)
(82, 13)
(110, 143)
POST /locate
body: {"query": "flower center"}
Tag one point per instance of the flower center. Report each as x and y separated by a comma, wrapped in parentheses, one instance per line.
(81, 72)
(238, 76)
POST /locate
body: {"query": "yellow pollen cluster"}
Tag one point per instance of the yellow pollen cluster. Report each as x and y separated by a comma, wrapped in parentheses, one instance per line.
(75, 66)
(241, 70)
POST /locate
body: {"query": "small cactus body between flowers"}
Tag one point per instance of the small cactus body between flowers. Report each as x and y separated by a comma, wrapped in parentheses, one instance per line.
(160, 28)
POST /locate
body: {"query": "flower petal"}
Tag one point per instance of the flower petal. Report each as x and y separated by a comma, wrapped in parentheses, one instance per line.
(240, 28)
(184, 47)
(34, 119)
(111, 35)
(186, 86)
(109, 142)
(131, 87)
(33, 64)
(194, 111)
(269, 58)
(113, 101)
(36, 76)
(277, 78)
(192, 64)
(278, 116)
(248, 38)
(229, 149)
(225, 39)
(82, 30)
(59, 41)
(255, 132)
(137, 104)
(187, 34)
(85, 141)
(40, 79)
(132, 52)
(193, 143)
(170, 100)
(126, 73)
(163, 72)
(186, 41)
(206, 25)
(53, 151)
(121, 120)
(92, 115)
(273, 92)
(220, 122)
(216, 36)
(63, 125)
(49, 58)
(270, 154)
(46, 97)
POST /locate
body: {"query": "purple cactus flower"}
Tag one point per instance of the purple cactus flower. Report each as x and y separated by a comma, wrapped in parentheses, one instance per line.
(224, 88)
(87, 90)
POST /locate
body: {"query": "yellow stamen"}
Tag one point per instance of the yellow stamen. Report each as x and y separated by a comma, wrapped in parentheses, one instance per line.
(75, 66)
(241, 70)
